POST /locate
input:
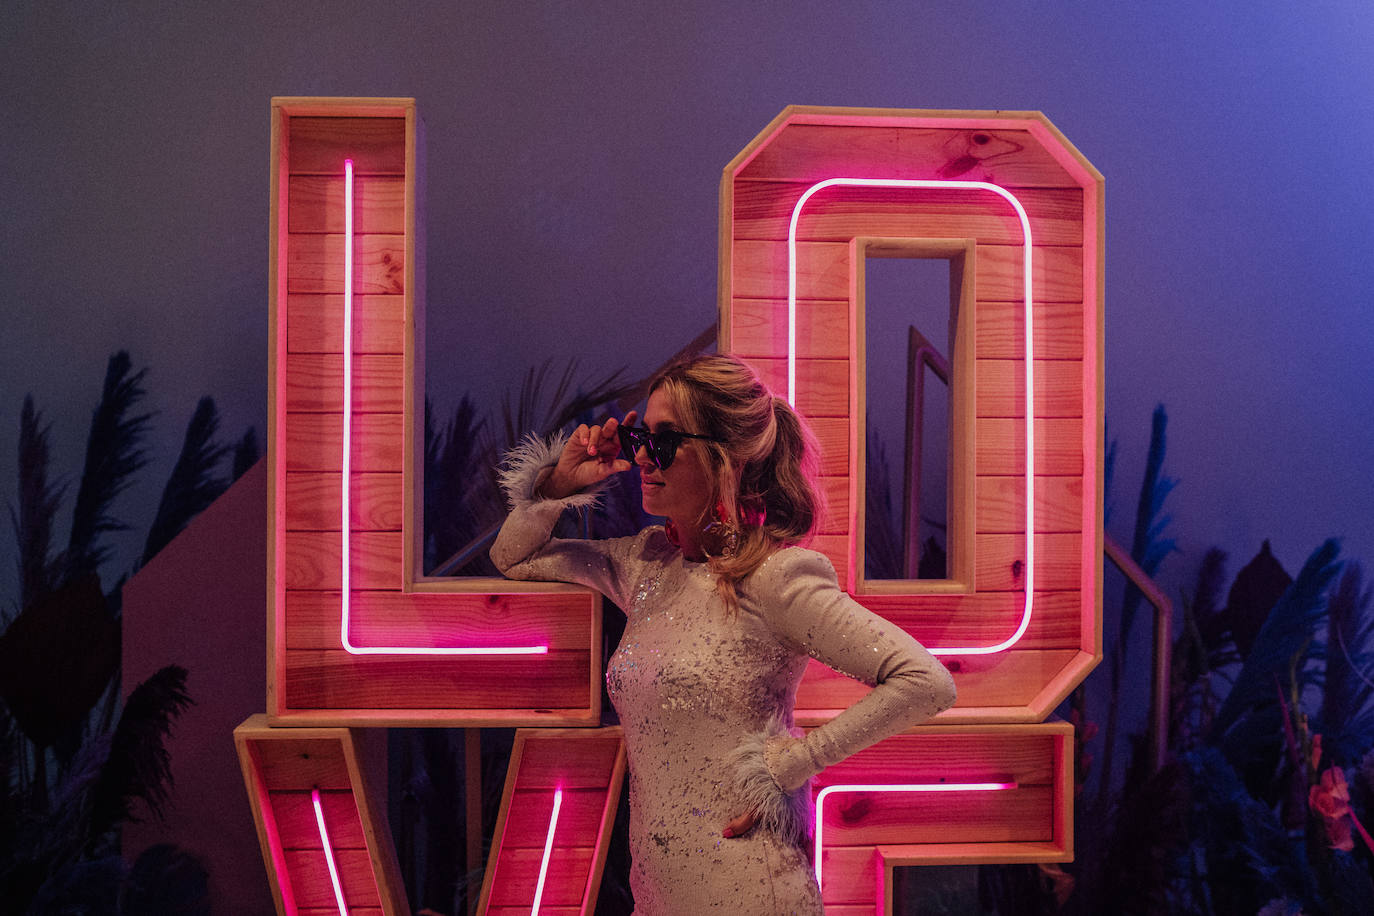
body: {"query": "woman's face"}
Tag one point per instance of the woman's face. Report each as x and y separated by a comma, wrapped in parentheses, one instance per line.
(683, 491)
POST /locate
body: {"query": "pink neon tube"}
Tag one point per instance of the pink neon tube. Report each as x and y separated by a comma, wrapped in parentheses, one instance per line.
(1026, 246)
(328, 852)
(548, 851)
(908, 787)
(347, 548)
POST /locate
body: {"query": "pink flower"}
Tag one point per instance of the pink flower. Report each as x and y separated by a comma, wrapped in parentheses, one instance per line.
(1330, 798)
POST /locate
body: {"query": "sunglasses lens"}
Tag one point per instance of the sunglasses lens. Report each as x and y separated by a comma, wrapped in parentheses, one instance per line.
(662, 447)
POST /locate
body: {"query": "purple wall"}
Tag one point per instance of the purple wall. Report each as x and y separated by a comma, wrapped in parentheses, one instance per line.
(201, 604)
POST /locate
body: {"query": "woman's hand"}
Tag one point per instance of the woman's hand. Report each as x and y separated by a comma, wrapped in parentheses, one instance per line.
(741, 825)
(591, 455)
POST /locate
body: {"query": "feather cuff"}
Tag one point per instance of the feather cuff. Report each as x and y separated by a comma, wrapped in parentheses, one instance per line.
(521, 466)
(787, 815)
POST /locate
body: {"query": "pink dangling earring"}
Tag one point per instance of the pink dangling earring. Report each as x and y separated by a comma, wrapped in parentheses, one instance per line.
(727, 532)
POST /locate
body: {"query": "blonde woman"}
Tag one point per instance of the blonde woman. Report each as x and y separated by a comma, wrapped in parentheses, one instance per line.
(724, 607)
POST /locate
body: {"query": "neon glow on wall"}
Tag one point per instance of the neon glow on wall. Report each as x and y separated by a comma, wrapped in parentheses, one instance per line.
(917, 183)
(328, 852)
(346, 551)
(548, 851)
(908, 787)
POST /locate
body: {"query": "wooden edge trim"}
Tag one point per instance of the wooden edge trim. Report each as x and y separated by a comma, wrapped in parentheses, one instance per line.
(308, 106)
(368, 786)
(269, 841)
(498, 836)
(584, 717)
(603, 832)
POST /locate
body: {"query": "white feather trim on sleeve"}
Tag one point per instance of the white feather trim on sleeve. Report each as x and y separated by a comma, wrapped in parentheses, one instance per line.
(520, 468)
(787, 815)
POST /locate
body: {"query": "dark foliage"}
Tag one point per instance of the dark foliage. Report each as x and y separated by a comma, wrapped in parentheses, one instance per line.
(114, 453)
(1252, 595)
(57, 658)
(38, 502)
(1346, 716)
(139, 767)
(194, 483)
(246, 454)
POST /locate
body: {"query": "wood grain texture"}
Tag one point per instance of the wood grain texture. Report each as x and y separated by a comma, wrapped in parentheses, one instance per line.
(295, 814)
(314, 501)
(315, 203)
(1013, 677)
(1001, 388)
(314, 264)
(759, 271)
(1008, 156)
(763, 210)
(314, 323)
(314, 383)
(314, 442)
(319, 145)
(970, 620)
(334, 679)
(285, 763)
(870, 818)
(1023, 754)
(313, 888)
(558, 620)
(1000, 445)
(759, 328)
(517, 872)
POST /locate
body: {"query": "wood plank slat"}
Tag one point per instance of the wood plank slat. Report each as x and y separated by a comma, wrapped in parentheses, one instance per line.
(934, 753)
(822, 384)
(759, 271)
(1001, 388)
(517, 874)
(579, 818)
(1000, 504)
(759, 328)
(321, 144)
(762, 210)
(314, 264)
(315, 203)
(1006, 155)
(1000, 445)
(1000, 329)
(314, 442)
(311, 883)
(314, 323)
(970, 620)
(573, 764)
(299, 764)
(314, 560)
(334, 679)
(1010, 815)
(314, 383)
(560, 620)
(848, 876)
(314, 501)
(295, 814)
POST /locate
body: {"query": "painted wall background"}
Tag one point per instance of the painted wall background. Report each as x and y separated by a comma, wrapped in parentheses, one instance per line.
(574, 153)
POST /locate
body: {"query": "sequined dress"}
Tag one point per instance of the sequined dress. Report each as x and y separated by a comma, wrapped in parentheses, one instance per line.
(705, 698)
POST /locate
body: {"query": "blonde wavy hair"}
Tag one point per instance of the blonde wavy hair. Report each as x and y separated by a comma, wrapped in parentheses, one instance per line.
(763, 467)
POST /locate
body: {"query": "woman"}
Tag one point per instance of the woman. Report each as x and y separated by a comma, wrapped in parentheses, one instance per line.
(723, 613)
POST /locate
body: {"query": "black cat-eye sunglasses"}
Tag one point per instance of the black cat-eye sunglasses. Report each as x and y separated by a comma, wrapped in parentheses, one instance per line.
(661, 446)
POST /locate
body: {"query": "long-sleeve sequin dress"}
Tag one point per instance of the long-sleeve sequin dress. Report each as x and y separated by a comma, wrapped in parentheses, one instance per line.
(705, 699)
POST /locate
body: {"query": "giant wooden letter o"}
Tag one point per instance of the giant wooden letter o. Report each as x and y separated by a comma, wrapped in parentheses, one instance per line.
(1018, 619)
